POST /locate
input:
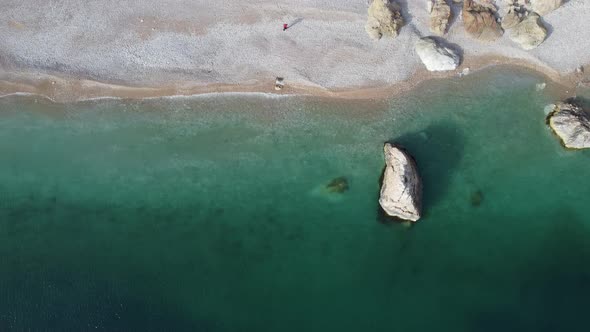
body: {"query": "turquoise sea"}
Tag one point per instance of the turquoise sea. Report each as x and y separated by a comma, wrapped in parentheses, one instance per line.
(209, 214)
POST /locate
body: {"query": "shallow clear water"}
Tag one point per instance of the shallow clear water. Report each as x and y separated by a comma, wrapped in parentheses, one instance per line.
(208, 214)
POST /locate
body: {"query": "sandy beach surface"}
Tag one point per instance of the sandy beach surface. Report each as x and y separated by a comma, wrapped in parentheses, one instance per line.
(77, 49)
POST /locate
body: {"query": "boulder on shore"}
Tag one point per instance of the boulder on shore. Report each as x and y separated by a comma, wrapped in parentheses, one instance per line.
(511, 17)
(480, 21)
(385, 19)
(440, 14)
(337, 185)
(572, 124)
(543, 7)
(435, 56)
(401, 190)
(529, 33)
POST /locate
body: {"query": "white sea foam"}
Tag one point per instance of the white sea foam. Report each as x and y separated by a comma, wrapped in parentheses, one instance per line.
(228, 94)
(26, 94)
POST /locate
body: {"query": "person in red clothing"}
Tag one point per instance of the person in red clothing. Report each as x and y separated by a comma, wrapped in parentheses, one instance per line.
(285, 26)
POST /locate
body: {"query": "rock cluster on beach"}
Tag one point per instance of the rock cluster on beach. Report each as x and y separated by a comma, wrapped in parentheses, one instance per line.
(484, 20)
(401, 189)
(523, 19)
(571, 123)
(435, 56)
(385, 19)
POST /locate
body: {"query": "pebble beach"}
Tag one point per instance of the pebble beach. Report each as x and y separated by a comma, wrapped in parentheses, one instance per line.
(73, 50)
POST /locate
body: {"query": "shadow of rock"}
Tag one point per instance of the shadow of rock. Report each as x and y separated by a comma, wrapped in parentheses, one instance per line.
(438, 149)
(456, 10)
(405, 11)
(547, 26)
(582, 102)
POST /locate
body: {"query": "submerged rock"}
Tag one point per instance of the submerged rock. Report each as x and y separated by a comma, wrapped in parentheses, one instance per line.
(543, 7)
(385, 19)
(480, 21)
(440, 14)
(436, 57)
(464, 72)
(476, 198)
(401, 189)
(529, 33)
(572, 124)
(337, 185)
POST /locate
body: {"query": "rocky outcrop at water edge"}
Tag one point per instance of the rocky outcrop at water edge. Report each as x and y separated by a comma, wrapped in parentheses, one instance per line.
(571, 123)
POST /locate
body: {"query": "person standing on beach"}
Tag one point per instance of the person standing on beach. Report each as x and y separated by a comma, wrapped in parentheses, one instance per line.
(285, 26)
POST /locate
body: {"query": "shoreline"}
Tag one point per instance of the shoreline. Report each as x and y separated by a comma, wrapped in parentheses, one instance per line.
(86, 51)
(71, 90)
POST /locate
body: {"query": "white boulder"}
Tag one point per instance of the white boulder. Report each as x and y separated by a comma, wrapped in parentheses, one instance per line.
(401, 190)
(435, 56)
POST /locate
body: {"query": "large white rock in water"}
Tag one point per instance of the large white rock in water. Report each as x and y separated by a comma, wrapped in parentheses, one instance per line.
(571, 124)
(385, 19)
(529, 33)
(436, 57)
(543, 7)
(401, 190)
